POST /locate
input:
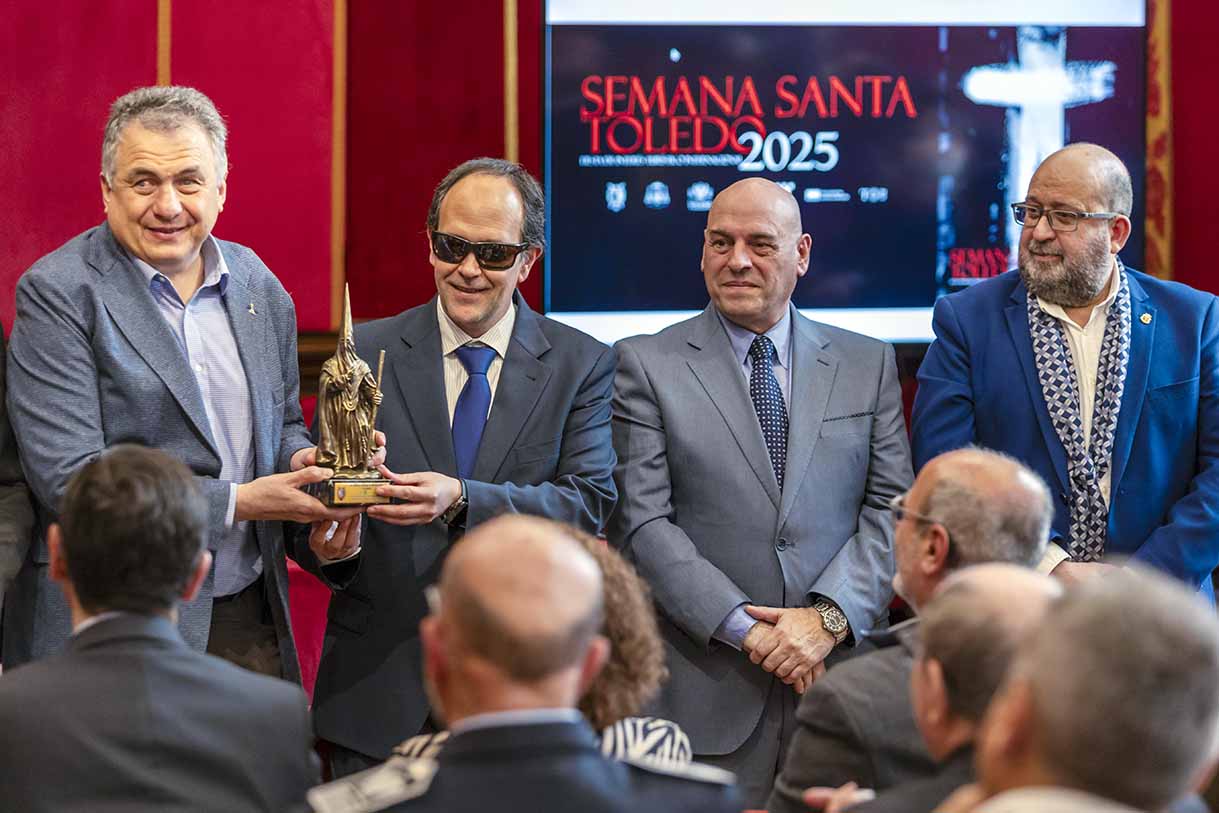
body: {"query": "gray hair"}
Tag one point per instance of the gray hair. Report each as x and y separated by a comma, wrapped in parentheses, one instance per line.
(1125, 685)
(533, 200)
(163, 110)
(1117, 192)
(1009, 524)
(973, 642)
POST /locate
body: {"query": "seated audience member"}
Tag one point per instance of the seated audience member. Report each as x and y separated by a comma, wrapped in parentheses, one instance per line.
(129, 717)
(631, 677)
(1113, 707)
(966, 637)
(511, 645)
(855, 724)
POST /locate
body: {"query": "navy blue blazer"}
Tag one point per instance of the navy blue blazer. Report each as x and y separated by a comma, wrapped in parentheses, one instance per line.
(978, 384)
(558, 766)
(546, 451)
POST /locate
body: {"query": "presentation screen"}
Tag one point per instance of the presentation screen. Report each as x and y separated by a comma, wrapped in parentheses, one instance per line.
(904, 131)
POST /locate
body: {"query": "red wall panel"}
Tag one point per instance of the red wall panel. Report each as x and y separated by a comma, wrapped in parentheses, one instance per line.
(268, 67)
(1195, 115)
(426, 92)
(63, 63)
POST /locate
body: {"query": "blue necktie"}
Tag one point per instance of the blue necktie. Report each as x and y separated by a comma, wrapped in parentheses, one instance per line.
(470, 414)
(768, 403)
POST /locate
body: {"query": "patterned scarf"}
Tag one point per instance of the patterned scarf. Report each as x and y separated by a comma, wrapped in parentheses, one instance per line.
(1087, 462)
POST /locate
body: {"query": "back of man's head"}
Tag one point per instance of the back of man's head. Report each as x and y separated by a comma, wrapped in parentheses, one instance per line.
(995, 508)
(520, 597)
(133, 526)
(972, 628)
(1121, 689)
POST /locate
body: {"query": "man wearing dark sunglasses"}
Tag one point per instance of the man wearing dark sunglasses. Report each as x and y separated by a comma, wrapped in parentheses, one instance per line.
(492, 409)
(1105, 381)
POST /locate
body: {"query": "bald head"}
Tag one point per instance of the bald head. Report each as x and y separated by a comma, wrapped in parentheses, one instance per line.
(995, 508)
(522, 595)
(759, 196)
(1097, 174)
(974, 624)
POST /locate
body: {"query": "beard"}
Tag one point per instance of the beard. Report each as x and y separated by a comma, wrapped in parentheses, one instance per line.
(1070, 282)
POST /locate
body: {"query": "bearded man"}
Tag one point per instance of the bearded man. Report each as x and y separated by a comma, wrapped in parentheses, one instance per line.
(1102, 379)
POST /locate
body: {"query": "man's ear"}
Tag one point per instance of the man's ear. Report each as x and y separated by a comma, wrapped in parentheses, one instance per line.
(595, 659)
(1119, 233)
(1009, 721)
(532, 254)
(105, 193)
(59, 565)
(934, 550)
(203, 565)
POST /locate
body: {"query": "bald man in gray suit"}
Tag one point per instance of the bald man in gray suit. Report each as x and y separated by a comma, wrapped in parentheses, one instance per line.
(757, 453)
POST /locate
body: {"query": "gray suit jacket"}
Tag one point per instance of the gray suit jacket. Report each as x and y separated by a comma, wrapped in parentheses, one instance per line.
(545, 451)
(701, 513)
(130, 718)
(92, 364)
(856, 725)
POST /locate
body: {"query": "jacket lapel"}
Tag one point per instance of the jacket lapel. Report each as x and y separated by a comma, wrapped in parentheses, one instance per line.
(1142, 337)
(248, 317)
(522, 379)
(1018, 328)
(813, 374)
(716, 368)
(130, 303)
(419, 374)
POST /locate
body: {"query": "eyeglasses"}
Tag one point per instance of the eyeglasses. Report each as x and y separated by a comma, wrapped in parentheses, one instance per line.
(1060, 219)
(898, 506)
(490, 256)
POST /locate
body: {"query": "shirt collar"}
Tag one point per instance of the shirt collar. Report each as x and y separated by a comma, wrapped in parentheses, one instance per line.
(215, 269)
(497, 719)
(742, 338)
(497, 337)
(94, 620)
(1102, 307)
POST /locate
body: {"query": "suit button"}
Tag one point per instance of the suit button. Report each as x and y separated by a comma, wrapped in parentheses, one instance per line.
(782, 545)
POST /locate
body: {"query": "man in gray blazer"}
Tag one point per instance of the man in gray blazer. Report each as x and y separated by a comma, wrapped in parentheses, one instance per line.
(129, 718)
(146, 329)
(492, 409)
(757, 453)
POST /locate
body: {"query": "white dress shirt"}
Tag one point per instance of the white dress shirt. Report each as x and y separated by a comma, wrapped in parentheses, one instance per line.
(452, 337)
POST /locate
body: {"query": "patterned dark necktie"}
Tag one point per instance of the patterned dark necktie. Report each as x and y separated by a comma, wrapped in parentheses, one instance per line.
(768, 403)
(470, 414)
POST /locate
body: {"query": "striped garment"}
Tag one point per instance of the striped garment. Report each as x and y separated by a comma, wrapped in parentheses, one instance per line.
(647, 739)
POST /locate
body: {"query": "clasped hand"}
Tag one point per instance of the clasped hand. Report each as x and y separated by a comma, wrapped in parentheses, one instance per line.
(789, 642)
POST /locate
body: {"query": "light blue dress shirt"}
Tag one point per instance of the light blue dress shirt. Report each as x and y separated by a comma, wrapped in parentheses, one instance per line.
(736, 626)
(206, 340)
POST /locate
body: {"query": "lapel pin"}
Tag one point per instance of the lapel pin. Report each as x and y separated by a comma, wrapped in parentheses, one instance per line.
(251, 310)
(1145, 318)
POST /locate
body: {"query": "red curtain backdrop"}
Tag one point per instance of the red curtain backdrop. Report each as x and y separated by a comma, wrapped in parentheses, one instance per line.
(1195, 112)
(64, 62)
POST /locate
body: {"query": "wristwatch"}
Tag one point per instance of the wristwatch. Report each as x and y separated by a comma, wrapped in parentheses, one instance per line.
(455, 514)
(833, 619)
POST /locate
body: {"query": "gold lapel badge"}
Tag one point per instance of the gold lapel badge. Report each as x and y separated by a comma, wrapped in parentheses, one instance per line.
(1145, 318)
(251, 310)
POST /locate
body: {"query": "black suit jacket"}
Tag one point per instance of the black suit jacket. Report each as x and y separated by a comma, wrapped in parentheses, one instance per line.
(546, 451)
(131, 718)
(557, 767)
(922, 795)
(856, 725)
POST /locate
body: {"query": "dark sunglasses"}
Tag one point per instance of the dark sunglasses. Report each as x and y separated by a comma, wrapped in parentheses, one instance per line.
(450, 248)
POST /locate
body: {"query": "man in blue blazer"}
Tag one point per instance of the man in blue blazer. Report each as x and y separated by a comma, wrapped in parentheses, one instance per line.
(149, 330)
(1102, 379)
(489, 409)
